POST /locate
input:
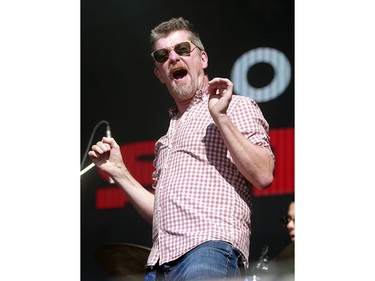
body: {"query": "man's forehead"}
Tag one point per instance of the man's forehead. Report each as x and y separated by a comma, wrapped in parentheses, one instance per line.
(172, 38)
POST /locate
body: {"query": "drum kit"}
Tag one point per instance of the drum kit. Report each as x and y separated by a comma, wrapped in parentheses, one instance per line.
(123, 261)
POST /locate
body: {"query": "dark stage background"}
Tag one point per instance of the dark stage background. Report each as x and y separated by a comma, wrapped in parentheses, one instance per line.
(251, 42)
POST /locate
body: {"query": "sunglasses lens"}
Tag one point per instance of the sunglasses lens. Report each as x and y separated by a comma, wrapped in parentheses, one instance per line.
(161, 55)
(183, 49)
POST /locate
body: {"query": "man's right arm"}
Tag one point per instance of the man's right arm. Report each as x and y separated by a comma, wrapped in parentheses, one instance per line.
(106, 155)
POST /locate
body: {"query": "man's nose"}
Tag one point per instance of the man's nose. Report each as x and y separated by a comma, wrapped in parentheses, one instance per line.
(173, 56)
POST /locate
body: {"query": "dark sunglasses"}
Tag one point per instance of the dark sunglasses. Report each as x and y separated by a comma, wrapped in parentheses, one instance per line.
(182, 49)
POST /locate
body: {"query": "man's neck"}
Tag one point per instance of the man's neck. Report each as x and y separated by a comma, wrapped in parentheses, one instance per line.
(183, 105)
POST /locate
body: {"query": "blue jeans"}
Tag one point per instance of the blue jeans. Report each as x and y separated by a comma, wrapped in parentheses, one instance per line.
(213, 260)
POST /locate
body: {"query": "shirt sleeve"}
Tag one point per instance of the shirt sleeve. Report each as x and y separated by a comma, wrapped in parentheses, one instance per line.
(248, 118)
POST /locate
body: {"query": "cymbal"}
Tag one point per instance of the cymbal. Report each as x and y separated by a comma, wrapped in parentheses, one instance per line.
(122, 259)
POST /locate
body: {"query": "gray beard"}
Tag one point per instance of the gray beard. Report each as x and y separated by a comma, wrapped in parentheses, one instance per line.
(183, 90)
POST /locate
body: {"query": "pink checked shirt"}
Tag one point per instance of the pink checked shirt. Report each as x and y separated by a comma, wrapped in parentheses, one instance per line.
(199, 193)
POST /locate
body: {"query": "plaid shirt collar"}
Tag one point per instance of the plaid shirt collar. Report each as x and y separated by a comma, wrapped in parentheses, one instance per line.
(198, 97)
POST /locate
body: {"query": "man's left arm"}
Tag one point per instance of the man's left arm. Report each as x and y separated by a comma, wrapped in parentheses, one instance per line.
(254, 161)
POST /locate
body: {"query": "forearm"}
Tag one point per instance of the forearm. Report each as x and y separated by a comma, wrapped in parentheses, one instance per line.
(141, 198)
(254, 162)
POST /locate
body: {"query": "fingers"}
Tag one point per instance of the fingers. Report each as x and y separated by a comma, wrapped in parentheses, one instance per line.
(110, 141)
(224, 82)
(100, 148)
(219, 85)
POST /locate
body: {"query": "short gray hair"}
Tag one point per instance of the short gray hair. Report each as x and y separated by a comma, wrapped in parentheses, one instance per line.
(175, 24)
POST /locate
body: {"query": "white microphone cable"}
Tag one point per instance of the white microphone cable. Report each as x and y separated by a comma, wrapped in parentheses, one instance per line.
(108, 134)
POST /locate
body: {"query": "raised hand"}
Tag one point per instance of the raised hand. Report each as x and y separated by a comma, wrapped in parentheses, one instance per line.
(221, 91)
(106, 155)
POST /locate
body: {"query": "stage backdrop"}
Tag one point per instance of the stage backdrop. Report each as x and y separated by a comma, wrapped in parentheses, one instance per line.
(250, 42)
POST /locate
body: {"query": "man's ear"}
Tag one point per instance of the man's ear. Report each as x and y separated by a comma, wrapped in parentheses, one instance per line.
(204, 59)
(157, 74)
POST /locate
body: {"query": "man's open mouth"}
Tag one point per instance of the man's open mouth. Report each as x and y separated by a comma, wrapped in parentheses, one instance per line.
(179, 73)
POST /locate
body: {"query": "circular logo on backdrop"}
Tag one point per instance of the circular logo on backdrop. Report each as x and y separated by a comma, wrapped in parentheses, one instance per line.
(280, 81)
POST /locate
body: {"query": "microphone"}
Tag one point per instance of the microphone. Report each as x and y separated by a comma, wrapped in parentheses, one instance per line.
(87, 168)
(108, 134)
(108, 131)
